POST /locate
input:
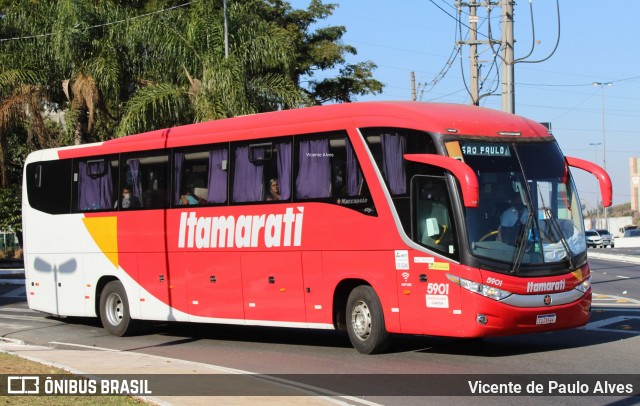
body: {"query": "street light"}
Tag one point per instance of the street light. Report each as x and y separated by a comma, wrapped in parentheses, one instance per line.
(595, 155)
(604, 143)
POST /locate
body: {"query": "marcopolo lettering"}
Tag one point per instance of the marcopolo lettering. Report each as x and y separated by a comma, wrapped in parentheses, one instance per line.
(545, 286)
(274, 230)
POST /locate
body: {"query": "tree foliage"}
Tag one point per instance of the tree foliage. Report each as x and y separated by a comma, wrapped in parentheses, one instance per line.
(116, 67)
(10, 215)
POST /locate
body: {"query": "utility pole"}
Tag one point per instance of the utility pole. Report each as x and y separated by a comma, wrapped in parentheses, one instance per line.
(507, 53)
(414, 96)
(604, 144)
(508, 88)
(474, 88)
(473, 52)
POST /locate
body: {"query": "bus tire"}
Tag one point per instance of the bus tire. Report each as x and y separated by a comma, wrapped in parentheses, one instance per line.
(114, 311)
(365, 321)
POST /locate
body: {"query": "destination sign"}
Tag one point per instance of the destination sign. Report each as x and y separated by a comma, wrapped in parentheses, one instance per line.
(486, 150)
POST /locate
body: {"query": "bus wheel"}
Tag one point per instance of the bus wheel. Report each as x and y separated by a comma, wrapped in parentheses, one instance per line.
(365, 321)
(114, 310)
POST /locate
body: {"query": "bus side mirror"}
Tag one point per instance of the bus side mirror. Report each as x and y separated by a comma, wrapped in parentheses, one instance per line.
(606, 189)
(462, 172)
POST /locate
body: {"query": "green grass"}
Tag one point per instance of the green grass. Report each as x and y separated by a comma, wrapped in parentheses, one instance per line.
(14, 365)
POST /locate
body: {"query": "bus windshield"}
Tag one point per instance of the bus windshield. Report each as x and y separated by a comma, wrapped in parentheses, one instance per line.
(528, 212)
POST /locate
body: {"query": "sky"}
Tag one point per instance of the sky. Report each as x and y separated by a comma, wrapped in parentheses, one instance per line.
(596, 45)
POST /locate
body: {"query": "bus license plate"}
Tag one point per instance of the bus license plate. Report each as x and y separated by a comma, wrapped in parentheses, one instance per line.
(546, 319)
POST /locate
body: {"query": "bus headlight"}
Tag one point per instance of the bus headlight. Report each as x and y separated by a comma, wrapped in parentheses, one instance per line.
(585, 285)
(485, 290)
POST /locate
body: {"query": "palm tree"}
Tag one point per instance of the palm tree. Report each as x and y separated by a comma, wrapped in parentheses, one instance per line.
(20, 104)
(23, 78)
(90, 55)
(189, 78)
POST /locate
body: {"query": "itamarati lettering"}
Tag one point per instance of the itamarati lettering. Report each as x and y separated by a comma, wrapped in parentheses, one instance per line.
(545, 286)
(274, 230)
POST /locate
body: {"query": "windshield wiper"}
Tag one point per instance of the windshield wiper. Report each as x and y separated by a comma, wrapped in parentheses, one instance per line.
(522, 239)
(556, 228)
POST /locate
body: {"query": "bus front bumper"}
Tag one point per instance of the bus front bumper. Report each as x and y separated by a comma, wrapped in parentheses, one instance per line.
(496, 318)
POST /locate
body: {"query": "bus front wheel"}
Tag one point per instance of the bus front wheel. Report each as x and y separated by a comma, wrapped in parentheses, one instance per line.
(365, 321)
(114, 311)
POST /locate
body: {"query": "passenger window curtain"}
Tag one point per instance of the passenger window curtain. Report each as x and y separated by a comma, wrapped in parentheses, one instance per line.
(94, 192)
(247, 177)
(393, 147)
(284, 169)
(217, 184)
(314, 176)
(354, 175)
(135, 180)
(178, 161)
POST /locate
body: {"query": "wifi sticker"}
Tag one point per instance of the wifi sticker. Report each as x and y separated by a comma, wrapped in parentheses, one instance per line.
(405, 276)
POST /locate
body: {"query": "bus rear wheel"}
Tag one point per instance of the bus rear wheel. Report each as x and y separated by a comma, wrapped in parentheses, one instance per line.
(365, 321)
(114, 311)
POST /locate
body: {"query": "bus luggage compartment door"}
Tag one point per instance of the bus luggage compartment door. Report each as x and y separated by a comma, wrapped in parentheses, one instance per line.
(272, 286)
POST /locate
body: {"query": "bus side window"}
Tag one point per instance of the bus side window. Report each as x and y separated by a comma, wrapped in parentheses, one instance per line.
(434, 226)
(328, 170)
(257, 165)
(200, 175)
(314, 169)
(278, 171)
(49, 186)
(147, 176)
(95, 183)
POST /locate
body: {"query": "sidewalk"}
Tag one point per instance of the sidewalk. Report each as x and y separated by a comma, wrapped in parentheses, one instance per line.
(634, 259)
(88, 361)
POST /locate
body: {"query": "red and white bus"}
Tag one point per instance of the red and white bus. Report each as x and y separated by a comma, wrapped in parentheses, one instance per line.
(409, 218)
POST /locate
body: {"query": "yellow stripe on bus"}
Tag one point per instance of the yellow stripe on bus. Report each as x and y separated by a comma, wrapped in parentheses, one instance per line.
(104, 231)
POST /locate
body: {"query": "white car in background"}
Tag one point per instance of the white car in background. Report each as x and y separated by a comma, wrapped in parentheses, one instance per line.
(593, 238)
(608, 240)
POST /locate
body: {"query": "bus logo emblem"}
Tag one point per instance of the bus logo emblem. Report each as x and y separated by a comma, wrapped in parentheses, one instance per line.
(547, 300)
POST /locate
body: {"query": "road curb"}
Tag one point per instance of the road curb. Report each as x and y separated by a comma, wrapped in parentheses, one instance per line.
(90, 361)
(614, 257)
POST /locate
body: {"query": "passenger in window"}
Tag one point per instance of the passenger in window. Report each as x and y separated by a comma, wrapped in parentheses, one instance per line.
(127, 200)
(274, 190)
(187, 198)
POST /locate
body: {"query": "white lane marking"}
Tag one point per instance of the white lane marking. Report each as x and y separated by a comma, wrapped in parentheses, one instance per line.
(18, 310)
(598, 325)
(91, 347)
(31, 318)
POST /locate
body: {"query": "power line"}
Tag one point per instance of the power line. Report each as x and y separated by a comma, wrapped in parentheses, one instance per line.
(455, 18)
(576, 84)
(48, 34)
